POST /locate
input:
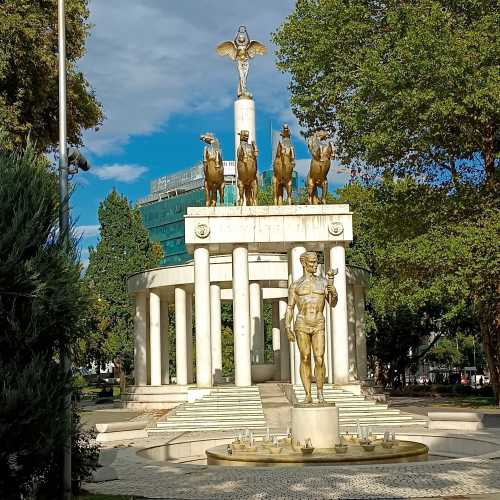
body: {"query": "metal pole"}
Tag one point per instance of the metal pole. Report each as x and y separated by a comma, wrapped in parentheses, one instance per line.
(64, 226)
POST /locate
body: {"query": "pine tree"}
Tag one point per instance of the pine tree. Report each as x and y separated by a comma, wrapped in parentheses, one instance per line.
(124, 248)
(41, 307)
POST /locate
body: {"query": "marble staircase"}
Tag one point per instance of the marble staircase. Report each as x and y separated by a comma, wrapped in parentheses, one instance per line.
(237, 408)
(356, 408)
(225, 408)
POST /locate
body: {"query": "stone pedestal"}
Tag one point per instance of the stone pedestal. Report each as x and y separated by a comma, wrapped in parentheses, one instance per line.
(318, 423)
(244, 119)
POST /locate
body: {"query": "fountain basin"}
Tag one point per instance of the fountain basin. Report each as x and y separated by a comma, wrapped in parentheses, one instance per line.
(406, 451)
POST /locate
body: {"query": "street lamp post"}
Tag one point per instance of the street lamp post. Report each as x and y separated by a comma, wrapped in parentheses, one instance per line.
(64, 226)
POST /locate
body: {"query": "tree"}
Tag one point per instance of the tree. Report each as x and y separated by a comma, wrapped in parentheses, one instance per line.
(42, 303)
(445, 354)
(434, 253)
(407, 87)
(29, 72)
(124, 248)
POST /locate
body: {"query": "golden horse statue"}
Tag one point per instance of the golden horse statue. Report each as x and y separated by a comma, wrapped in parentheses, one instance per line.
(322, 153)
(283, 165)
(213, 170)
(247, 170)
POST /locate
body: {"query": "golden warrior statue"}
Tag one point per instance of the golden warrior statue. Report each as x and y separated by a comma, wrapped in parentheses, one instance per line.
(309, 293)
(241, 50)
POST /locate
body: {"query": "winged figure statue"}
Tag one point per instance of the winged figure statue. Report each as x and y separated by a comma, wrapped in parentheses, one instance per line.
(241, 50)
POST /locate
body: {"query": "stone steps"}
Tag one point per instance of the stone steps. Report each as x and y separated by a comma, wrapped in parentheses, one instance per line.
(354, 409)
(224, 408)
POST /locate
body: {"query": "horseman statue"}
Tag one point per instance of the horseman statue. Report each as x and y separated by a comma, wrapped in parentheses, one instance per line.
(283, 165)
(322, 153)
(246, 164)
(213, 169)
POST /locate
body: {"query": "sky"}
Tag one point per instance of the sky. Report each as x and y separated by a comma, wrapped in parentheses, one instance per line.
(153, 66)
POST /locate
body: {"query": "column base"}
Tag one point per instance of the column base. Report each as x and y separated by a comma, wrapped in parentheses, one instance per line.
(151, 397)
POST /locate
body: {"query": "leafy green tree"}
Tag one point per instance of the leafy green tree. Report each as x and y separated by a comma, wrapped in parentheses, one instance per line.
(124, 248)
(433, 253)
(29, 72)
(445, 354)
(407, 87)
(42, 303)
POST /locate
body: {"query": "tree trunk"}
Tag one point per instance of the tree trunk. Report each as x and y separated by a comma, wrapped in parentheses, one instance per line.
(121, 373)
(489, 321)
(489, 155)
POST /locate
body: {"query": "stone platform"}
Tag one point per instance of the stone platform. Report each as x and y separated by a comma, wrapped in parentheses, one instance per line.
(404, 451)
(460, 478)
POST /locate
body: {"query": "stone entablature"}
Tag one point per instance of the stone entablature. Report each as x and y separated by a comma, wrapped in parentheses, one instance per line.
(267, 228)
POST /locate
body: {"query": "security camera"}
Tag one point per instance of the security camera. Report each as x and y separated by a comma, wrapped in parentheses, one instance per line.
(78, 160)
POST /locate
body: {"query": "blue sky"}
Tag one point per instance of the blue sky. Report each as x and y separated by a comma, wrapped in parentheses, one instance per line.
(152, 64)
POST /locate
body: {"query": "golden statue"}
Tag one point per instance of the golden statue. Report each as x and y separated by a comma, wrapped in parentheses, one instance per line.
(283, 165)
(213, 170)
(246, 165)
(241, 50)
(322, 153)
(309, 293)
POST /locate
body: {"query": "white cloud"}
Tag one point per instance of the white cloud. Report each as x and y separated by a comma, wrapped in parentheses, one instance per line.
(87, 231)
(148, 60)
(121, 173)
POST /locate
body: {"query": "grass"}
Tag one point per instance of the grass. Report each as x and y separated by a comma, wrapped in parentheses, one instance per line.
(467, 402)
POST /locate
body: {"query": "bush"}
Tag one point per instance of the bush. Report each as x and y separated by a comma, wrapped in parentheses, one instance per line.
(485, 391)
(462, 390)
(442, 389)
(41, 305)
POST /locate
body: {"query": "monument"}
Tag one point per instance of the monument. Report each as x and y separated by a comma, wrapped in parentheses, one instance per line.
(321, 155)
(283, 165)
(213, 169)
(246, 167)
(308, 294)
(241, 49)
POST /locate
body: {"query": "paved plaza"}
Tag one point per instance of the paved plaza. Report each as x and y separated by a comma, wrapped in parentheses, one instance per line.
(131, 474)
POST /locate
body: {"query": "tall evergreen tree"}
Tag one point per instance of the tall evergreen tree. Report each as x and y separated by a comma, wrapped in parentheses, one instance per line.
(41, 308)
(124, 248)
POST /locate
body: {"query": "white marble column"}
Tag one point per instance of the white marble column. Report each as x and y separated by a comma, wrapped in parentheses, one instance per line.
(351, 328)
(202, 317)
(189, 337)
(291, 348)
(140, 349)
(155, 336)
(181, 374)
(361, 355)
(256, 323)
(216, 335)
(297, 272)
(328, 327)
(284, 344)
(276, 340)
(244, 119)
(339, 318)
(165, 344)
(241, 317)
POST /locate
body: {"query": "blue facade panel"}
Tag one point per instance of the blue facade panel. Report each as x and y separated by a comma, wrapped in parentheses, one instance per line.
(164, 220)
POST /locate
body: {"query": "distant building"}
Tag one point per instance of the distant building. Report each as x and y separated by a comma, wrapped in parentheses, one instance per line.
(266, 181)
(164, 208)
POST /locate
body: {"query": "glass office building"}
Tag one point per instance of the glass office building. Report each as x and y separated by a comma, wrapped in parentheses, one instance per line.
(164, 208)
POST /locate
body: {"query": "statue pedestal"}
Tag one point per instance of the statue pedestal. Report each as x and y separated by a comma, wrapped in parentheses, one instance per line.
(244, 119)
(320, 423)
